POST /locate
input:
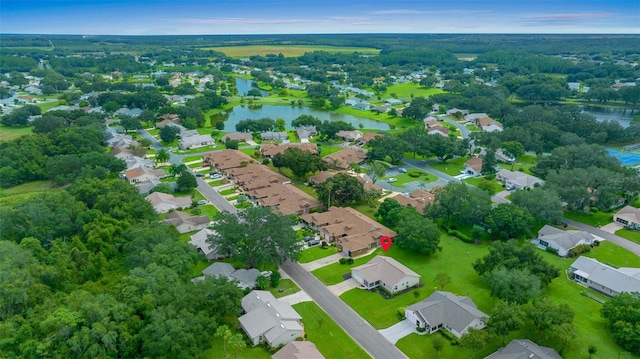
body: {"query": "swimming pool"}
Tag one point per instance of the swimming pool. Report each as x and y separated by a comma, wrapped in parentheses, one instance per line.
(626, 158)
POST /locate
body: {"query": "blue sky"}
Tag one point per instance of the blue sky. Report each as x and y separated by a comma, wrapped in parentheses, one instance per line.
(178, 17)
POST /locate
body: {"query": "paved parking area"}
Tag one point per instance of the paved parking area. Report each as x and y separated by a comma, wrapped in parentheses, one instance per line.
(398, 331)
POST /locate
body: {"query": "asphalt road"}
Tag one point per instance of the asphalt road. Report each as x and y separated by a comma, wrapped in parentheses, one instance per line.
(622, 242)
(214, 197)
(362, 332)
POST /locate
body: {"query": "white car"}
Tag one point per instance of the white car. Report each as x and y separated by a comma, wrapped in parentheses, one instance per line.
(391, 180)
(216, 176)
(202, 201)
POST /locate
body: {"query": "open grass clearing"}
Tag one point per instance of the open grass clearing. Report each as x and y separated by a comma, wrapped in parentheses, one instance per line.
(209, 210)
(523, 164)
(11, 133)
(452, 167)
(404, 178)
(287, 50)
(614, 255)
(495, 185)
(192, 158)
(328, 149)
(629, 234)
(317, 252)
(595, 219)
(284, 288)
(405, 91)
(328, 337)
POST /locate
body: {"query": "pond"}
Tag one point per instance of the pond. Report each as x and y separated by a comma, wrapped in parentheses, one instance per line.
(621, 115)
(244, 86)
(289, 113)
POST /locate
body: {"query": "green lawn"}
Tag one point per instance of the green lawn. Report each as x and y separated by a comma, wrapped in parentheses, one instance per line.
(287, 50)
(192, 158)
(328, 337)
(404, 178)
(287, 286)
(523, 164)
(216, 352)
(227, 192)
(11, 133)
(593, 219)
(328, 149)
(317, 252)
(215, 183)
(405, 90)
(456, 259)
(452, 167)
(495, 185)
(17, 194)
(195, 165)
(366, 208)
(209, 210)
(630, 235)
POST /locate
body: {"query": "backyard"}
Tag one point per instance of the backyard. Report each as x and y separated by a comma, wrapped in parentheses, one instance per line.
(317, 252)
(452, 167)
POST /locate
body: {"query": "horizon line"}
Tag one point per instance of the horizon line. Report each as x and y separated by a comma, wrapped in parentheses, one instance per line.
(328, 34)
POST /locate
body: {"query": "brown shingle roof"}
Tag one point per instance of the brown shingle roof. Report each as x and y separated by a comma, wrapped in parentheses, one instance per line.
(285, 198)
(340, 222)
(475, 163)
(417, 199)
(270, 150)
(343, 158)
(321, 177)
(226, 159)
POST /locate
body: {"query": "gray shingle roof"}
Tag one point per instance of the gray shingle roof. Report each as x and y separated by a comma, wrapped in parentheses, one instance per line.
(267, 316)
(385, 269)
(619, 280)
(524, 349)
(565, 239)
(457, 312)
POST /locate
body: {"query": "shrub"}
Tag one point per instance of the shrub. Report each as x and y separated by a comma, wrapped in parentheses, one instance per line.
(595, 243)
(552, 250)
(416, 294)
(343, 261)
(401, 313)
(421, 330)
(349, 260)
(578, 250)
(463, 237)
(415, 173)
(299, 339)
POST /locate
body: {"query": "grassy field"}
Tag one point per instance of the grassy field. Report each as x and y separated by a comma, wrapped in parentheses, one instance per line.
(11, 133)
(14, 195)
(630, 235)
(287, 50)
(382, 313)
(328, 337)
(495, 185)
(317, 252)
(452, 167)
(287, 286)
(593, 219)
(404, 178)
(328, 149)
(192, 158)
(405, 90)
(524, 163)
(209, 210)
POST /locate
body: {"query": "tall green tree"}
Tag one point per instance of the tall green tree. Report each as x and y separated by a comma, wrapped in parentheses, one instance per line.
(340, 189)
(489, 163)
(505, 318)
(508, 221)
(256, 236)
(236, 342)
(169, 134)
(475, 339)
(225, 334)
(545, 314)
(418, 234)
(623, 315)
(374, 170)
(542, 203)
(186, 182)
(162, 156)
(513, 285)
(513, 149)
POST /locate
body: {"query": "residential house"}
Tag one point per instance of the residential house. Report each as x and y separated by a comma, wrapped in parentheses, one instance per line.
(270, 150)
(473, 166)
(629, 216)
(499, 154)
(141, 174)
(473, 117)
(298, 350)
(517, 180)
(169, 121)
(487, 124)
(199, 240)
(195, 141)
(431, 122)
(320, 177)
(284, 198)
(237, 136)
(524, 349)
(268, 319)
(446, 310)
(227, 159)
(186, 223)
(340, 160)
(386, 272)
(369, 136)
(381, 108)
(145, 187)
(121, 153)
(243, 278)
(254, 176)
(274, 136)
(163, 202)
(393, 101)
(364, 106)
(604, 278)
(439, 130)
(354, 233)
(454, 111)
(417, 199)
(134, 112)
(135, 161)
(306, 132)
(116, 140)
(349, 136)
(561, 241)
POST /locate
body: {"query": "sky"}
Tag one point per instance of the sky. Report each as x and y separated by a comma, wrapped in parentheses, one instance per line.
(221, 17)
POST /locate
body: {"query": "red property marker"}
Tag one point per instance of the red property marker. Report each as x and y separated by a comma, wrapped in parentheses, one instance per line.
(385, 242)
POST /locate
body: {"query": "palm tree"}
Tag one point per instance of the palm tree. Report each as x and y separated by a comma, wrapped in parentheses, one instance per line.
(224, 333)
(162, 156)
(237, 342)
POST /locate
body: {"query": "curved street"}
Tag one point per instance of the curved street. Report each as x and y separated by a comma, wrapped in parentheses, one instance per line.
(361, 331)
(622, 242)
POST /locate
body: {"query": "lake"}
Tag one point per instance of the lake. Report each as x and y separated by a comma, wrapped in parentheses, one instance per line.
(289, 113)
(244, 86)
(621, 115)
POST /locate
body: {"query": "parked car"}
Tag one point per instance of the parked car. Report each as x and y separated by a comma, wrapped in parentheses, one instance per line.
(202, 201)
(199, 174)
(266, 273)
(391, 180)
(313, 242)
(309, 238)
(216, 176)
(402, 170)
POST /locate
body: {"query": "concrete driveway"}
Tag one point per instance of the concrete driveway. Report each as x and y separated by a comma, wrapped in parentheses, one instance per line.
(612, 227)
(500, 197)
(319, 263)
(398, 331)
(295, 298)
(343, 286)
